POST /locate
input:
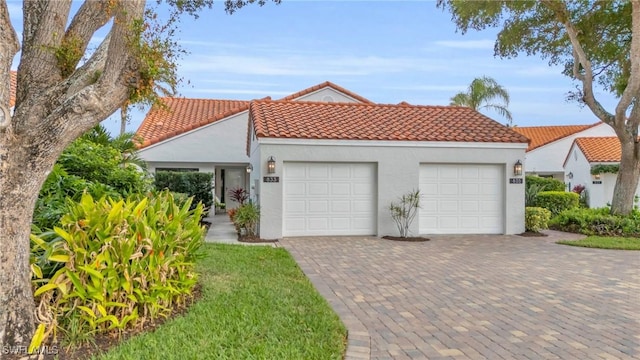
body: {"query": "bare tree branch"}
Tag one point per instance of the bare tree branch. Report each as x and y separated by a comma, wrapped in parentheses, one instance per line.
(91, 16)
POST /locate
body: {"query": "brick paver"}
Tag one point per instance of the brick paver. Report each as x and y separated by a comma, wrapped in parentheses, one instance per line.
(477, 297)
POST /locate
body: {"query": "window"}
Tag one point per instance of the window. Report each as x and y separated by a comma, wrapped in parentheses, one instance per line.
(178, 169)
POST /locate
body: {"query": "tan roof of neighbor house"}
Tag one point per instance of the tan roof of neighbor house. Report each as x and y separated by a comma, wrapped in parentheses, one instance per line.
(350, 121)
(14, 85)
(182, 115)
(322, 86)
(543, 135)
(600, 149)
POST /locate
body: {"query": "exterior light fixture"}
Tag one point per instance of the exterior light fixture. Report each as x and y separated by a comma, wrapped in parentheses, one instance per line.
(597, 176)
(517, 168)
(249, 168)
(570, 175)
(271, 165)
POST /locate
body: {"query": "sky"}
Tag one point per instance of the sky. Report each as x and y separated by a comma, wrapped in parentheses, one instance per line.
(386, 51)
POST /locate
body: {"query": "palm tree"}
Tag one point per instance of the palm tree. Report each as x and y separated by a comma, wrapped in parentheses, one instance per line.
(480, 95)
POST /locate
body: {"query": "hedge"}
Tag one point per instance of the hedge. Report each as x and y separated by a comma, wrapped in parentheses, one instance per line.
(597, 222)
(557, 201)
(536, 218)
(545, 184)
(196, 184)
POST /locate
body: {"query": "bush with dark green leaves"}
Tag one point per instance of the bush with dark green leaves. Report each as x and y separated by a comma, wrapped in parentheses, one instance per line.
(536, 218)
(95, 163)
(597, 222)
(557, 201)
(193, 183)
(545, 184)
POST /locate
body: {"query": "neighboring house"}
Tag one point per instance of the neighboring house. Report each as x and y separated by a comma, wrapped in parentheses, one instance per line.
(333, 169)
(584, 154)
(550, 144)
(211, 135)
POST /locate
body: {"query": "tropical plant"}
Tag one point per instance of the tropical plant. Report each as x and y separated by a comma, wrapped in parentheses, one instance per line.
(239, 195)
(482, 94)
(247, 218)
(404, 211)
(113, 265)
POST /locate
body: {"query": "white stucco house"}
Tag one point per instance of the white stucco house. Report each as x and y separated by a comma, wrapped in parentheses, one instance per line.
(584, 154)
(550, 145)
(210, 135)
(325, 161)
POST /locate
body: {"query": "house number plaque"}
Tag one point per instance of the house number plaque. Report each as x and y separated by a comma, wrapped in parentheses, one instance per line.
(515, 181)
(271, 179)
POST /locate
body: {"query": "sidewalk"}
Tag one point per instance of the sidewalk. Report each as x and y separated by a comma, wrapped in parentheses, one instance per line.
(222, 231)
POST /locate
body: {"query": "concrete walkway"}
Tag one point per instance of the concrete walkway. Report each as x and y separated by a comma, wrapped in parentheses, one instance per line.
(223, 231)
(477, 297)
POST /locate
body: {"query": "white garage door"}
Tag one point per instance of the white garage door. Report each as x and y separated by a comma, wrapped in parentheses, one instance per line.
(461, 199)
(329, 199)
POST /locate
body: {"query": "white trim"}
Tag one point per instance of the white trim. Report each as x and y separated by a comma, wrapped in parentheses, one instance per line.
(175, 137)
(332, 89)
(391, 143)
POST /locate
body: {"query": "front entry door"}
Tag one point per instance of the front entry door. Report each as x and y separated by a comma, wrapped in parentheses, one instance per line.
(233, 179)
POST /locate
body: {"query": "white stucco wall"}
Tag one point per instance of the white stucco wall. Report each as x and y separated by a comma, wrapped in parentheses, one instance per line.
(327, 95)
(599, 194)
(224, 141)
(398, 166)
(549, 159)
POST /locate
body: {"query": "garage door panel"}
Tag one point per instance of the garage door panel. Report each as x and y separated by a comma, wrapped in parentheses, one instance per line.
(318, 206)
(461, 198)
(340, 171)
(296, 206)
(329, 199)
(318, 172)
(340, 189)
(295, 188)
(317, 188)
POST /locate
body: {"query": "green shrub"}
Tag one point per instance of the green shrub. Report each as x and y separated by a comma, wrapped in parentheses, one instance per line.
(557, 201)
(531, 193)
(597, 222)
(193, 183)
(404, 211)
(545, 184)
(536, 218)
(114, 264)
(246, 218)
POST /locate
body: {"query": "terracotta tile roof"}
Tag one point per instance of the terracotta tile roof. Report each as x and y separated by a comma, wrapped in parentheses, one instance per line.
(600, 149)
(14, 86)
(349, 121)
(182, 115)
(324, 85)
(543, 135)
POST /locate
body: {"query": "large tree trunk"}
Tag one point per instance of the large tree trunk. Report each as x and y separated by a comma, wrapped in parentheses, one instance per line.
(53, 107)
(627, 180)
(21, 176)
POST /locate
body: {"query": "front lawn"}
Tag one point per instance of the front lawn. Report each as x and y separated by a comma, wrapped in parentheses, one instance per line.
(256, 304)
(606, 242)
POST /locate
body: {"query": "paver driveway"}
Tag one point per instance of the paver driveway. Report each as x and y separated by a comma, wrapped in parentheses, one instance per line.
(478, 297)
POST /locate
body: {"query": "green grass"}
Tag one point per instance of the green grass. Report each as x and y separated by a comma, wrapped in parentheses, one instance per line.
(256, 304)
(606, 242)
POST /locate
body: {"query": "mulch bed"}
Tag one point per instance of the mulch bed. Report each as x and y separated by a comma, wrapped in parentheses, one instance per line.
(255, 239)
(408, 239)
(532, 234)
(102, 343)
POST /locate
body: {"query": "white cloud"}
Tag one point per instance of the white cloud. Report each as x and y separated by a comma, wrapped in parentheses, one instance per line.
(466, 44)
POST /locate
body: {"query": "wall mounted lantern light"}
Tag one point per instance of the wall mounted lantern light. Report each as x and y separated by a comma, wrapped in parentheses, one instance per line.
(517, 168)
(271, 165)
(597, 176)
(249, 168)
(570, 175)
